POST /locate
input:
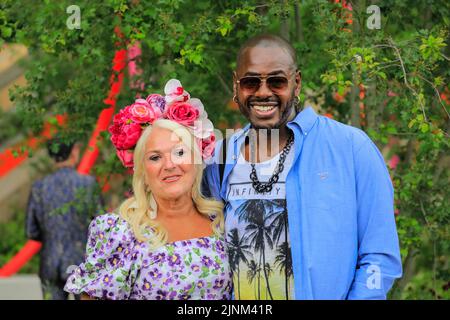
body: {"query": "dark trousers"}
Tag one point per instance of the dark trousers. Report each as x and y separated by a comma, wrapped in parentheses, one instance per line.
(54, 290)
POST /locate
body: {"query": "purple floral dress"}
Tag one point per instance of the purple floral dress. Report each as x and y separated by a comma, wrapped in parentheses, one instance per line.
(118, 266)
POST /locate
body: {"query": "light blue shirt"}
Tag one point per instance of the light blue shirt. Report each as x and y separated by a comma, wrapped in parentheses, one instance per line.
(340, 210)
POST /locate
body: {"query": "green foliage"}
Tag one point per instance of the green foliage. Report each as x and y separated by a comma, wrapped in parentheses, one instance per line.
(431, 48)
(402, 68)
(85, 204)
(10, 122)
(12, 238)
(422, 287)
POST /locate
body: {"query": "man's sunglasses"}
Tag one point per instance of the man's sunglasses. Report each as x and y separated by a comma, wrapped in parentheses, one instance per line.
(251, 84)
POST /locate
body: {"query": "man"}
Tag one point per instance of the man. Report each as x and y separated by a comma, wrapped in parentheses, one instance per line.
(60, 208)
(312, 216)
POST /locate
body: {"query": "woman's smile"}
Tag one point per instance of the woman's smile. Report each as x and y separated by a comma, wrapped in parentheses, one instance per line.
(171, 178)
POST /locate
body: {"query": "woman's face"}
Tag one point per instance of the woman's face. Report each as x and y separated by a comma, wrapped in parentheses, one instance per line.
(169, 165)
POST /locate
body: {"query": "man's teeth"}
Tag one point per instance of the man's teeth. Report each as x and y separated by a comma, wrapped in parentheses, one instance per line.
(263, 108)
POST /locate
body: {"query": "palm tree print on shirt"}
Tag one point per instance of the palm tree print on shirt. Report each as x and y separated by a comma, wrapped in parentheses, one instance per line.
(265, 227)
(238, 251)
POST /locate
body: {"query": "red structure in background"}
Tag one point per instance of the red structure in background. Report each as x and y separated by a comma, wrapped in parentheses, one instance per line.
(22, 257)
(7, 160)
(90, 156)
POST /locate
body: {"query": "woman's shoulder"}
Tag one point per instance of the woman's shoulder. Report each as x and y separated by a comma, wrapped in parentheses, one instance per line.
(111, 225)
(108, 221)
(113, 257)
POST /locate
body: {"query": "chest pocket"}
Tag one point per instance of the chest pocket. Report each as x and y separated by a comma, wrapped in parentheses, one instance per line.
(324, 189)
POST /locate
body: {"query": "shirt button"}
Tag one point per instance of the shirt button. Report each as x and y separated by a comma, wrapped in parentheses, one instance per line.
(306, 133)
(234, 157)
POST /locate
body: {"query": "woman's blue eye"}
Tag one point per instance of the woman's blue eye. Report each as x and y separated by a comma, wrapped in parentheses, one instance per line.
(154, 158)
(180, 152)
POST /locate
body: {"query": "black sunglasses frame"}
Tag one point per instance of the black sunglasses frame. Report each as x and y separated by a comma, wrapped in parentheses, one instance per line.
(268, 83)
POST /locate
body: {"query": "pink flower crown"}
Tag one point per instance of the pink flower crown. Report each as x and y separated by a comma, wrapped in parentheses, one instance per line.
(176, 105)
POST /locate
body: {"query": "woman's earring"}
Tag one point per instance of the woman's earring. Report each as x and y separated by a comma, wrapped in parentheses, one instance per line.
(235, 99)
(152, 214)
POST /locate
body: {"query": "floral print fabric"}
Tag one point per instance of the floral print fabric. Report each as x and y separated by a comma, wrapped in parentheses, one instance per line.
(118, 266)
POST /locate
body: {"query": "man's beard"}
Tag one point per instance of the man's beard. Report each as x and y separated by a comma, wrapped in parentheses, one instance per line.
(289, 113)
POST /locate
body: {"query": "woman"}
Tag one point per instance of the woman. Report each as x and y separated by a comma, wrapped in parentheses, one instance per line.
(166, 242)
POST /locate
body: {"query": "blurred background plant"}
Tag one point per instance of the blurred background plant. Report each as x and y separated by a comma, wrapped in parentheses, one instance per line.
(391, 82)
(12, 238)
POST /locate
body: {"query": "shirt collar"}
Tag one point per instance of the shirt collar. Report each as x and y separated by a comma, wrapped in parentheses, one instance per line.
(306, 119)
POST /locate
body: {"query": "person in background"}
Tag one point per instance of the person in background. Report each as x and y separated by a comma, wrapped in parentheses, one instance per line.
(60, 208)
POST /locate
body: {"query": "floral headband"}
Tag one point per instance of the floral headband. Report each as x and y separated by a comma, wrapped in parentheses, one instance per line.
(176, 105)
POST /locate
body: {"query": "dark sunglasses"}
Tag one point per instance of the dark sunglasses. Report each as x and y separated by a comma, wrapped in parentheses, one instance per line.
(251, 84)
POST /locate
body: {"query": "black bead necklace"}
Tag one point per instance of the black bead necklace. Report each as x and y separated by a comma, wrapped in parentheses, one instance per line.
(262, 187)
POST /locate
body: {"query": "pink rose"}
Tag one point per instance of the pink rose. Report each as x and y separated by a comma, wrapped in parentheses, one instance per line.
(208, 146)
(114, 128)
(156, 101)
(127, 136)
(126, 157)
(123, 116)
(183, 113)
(142, 112)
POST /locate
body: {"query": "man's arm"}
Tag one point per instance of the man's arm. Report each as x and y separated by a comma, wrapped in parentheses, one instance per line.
(379, 260)
(32, 228)
(211, 179)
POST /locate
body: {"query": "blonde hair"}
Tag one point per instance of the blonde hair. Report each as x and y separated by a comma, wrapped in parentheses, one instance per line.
(137, 209)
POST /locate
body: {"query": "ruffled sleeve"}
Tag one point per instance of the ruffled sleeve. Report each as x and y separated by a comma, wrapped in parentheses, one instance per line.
(111, 262)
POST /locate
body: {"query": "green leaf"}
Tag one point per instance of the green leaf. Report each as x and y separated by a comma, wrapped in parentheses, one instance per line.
(158, 47)
(411, 123)
(6, 32)
(424, 127)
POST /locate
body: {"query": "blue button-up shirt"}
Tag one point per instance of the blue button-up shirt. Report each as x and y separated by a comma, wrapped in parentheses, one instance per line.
(339, 198)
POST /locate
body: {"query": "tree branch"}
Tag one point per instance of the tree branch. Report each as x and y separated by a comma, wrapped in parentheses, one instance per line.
(445, 57)
(224, 84)
(354, 101)
(397, 52)
(437, 93)
(298, 23)
(433, 239)
(284, 23)
(409, 268)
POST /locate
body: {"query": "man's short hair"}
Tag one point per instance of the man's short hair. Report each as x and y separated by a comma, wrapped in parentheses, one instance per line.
(59, 149)
(267, 40)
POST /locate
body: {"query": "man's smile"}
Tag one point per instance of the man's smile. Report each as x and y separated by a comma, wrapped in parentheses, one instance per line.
(264, 109)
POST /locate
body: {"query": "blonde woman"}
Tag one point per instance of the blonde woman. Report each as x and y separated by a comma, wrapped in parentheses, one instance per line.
(166, 241)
